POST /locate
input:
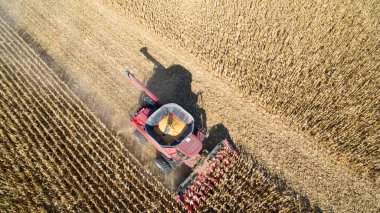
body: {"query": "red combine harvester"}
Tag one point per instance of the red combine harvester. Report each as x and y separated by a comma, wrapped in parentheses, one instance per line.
(170, 129)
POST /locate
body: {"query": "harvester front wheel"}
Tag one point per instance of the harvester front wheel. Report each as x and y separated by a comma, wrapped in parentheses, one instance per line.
(162, 164)
(139, 137)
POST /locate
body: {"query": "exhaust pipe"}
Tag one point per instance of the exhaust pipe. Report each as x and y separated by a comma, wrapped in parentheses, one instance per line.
(139, 85)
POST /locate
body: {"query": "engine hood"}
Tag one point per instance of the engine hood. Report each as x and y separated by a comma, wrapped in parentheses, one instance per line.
(190, 146)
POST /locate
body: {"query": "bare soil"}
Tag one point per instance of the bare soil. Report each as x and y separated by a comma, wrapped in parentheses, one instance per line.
(91, 45)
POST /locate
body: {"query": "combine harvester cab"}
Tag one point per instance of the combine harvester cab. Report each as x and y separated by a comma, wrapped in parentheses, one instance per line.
(170, 129)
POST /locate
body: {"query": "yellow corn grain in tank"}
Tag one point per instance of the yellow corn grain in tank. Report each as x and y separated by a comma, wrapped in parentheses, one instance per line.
(170, 128)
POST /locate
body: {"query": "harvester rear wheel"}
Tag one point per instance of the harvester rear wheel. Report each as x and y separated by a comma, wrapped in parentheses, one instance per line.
(162, 164)
(139, 137)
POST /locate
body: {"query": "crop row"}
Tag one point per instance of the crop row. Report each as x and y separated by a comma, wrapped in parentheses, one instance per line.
(61, 154)
(315, 63)
(248, 187)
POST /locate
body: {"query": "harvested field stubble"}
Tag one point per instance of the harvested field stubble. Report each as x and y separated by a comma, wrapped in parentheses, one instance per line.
(315, 63)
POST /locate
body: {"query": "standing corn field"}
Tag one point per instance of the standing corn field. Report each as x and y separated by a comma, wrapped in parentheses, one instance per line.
(55, 154)
(315, 63)
(88, 44)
